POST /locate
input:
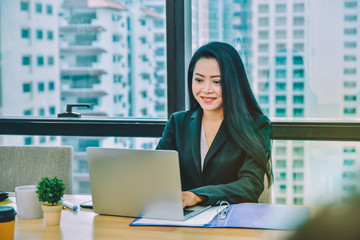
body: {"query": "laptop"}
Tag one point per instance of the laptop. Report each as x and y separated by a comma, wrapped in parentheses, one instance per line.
(137, 183)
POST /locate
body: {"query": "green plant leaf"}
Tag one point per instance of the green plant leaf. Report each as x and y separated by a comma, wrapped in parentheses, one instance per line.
(50, 190)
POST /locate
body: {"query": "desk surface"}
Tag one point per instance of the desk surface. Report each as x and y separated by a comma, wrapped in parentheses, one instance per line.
(85, 224)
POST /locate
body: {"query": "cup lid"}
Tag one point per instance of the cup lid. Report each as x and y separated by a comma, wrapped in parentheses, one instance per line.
(7, 213)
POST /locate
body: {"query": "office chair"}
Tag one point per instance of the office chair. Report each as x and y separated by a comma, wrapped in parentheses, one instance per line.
(25, 165)
(265, 196)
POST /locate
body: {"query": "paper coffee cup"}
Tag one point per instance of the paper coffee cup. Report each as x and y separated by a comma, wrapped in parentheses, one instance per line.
(7, 222)
(27, 203)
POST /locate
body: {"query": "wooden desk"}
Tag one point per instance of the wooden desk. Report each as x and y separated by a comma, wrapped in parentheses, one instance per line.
(85, 224)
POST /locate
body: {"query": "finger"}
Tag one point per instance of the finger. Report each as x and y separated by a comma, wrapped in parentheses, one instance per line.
(185, 199)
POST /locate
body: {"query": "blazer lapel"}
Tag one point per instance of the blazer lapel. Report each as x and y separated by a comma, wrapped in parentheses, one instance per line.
(220, 138)
(195, 128)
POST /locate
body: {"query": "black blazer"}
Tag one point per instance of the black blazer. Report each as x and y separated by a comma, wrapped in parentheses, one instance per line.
(228, 173)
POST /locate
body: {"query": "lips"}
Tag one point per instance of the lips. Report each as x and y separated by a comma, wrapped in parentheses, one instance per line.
(208, 99)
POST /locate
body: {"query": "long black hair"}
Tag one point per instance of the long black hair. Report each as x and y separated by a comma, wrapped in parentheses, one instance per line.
(239, 104)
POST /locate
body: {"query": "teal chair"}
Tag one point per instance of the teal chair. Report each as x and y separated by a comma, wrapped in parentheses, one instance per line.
(25, 165)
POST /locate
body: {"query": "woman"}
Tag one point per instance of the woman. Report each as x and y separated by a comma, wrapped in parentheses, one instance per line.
(223, 141)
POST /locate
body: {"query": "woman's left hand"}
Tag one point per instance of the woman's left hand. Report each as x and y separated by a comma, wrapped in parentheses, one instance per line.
(191, 199)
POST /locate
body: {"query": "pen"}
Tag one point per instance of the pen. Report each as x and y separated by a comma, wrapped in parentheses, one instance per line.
(70, 205)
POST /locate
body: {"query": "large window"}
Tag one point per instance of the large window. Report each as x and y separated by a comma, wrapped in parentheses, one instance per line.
(116, 59)
(74, 40)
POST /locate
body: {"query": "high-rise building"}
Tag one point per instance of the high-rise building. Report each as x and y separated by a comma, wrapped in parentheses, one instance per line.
(351, 90)
(279, 50)
(29, 69)
(295, 72)
(94, 69)
(113, 57)
(156, 9)
(334, 66)
(94, 57)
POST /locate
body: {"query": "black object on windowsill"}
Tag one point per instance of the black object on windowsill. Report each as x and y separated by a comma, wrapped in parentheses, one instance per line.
(69, 113)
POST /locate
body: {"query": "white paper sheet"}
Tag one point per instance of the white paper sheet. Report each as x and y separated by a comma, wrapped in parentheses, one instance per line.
(196, 221)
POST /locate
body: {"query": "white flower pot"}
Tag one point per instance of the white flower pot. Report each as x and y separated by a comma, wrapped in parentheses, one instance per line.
(52, 213)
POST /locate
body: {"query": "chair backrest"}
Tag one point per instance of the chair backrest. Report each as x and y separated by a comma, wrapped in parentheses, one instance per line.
(265, 196)
(26, 165)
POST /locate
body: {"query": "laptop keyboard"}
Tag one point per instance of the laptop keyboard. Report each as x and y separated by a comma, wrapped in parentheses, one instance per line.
(187, 211)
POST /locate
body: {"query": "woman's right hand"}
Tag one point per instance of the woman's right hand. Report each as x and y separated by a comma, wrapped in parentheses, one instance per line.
(190, 199)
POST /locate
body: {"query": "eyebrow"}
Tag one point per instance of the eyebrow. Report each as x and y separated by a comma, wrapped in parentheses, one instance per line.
(215, 76)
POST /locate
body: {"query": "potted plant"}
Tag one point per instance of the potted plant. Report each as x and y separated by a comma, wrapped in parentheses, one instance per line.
(50, 191)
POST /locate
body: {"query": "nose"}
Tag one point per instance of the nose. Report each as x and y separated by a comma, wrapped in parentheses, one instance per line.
(207, 87)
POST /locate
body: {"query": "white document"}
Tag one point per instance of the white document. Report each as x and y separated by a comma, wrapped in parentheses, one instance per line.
(196, 221)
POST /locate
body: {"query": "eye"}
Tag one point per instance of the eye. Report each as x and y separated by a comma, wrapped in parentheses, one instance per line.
(198, 80)
(217, 82)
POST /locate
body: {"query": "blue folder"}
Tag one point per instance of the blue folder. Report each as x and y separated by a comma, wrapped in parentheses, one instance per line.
(247, 215)
(265, 216)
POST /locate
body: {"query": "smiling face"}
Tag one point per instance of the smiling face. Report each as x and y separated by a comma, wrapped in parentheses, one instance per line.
(206, 86)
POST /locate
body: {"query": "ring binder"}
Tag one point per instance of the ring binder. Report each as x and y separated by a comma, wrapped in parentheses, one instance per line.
(223, 210)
